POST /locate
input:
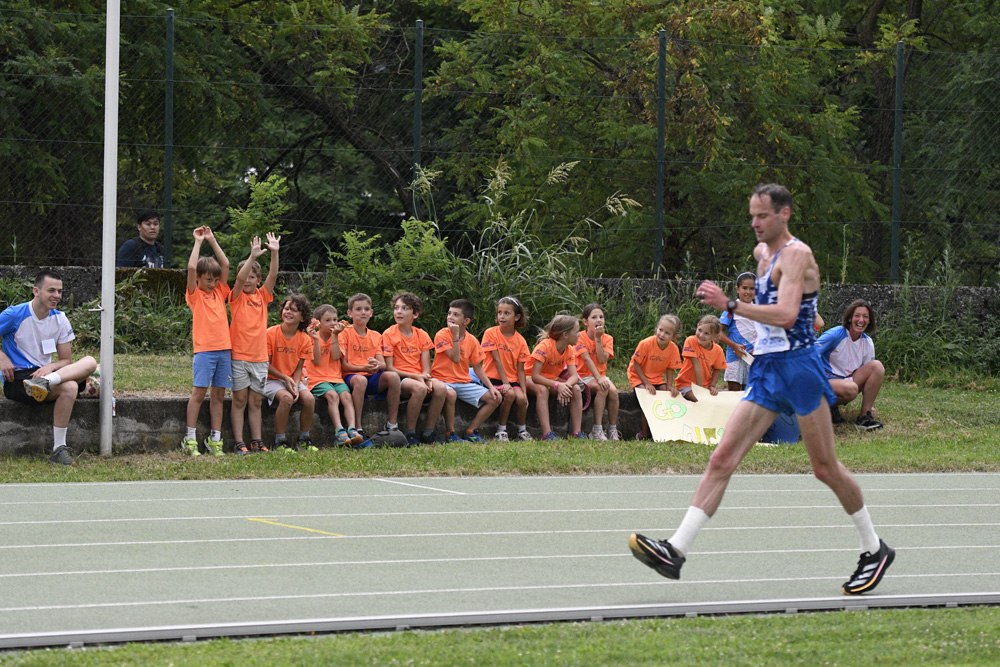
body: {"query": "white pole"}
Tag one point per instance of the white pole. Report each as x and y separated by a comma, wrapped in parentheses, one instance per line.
(111, 48)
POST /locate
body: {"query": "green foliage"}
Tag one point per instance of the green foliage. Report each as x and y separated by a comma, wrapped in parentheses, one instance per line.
(262, 215)
(14, 291)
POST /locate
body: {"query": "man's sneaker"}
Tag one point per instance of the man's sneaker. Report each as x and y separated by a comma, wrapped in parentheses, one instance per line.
(613, 434)
(214, 447)
(240, 449)
(412, 440)
(597, 435)
(502, 436)
(431, 438)
(37, 388)
(871, 569)
(60, 456)
(835, 415)
(306, 444)
(661, 556)
(868, 423)
(341, 439)
(474, 437)
(551, 435)
(258, 447)
(453, 437)
(190, 446)
(524, 435)
(356, 436)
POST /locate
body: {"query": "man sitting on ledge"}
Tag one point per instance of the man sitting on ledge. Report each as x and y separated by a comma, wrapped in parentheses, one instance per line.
(32, 332)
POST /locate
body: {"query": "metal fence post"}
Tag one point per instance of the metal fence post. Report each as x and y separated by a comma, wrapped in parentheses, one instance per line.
(168, 144)
(418, 93)
(897, 166)
(661, 133)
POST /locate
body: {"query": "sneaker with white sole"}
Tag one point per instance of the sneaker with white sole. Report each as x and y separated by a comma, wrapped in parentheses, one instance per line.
(524, 435)
(190, 446)
(214, 447)
(613, 434)
(866, 422)
(871, 569)
(37, 388)
(596, 434)
(502, 436)
(661, 556)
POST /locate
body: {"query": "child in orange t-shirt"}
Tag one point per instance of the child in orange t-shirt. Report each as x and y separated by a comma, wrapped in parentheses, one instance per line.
(289, 344)
(654, 363)
(363, 363)
(325, 379)
(554, 353)
(206, 294)
(704, 360)
(593, 352)
(455, 351)
(248, 333)
(505, 351)
(407, 351)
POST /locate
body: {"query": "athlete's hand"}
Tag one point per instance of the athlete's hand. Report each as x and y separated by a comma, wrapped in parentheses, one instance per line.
(712, 295)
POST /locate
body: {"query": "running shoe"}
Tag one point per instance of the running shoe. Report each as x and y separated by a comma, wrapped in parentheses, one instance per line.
(580, 435)
(613, 434)
(551, 435)
(190, 446)
(283, 447)
(525, 435)
(661, 556)
(258, 447)
(871, 569)
(411, 439)
(214, 447)
(502, 436)
(366, 442)
(60, 456)
(430, 438)
(306, 444)
(240, 449)
(474, 437)
(596, 434)
(868, 423)
(37, 388)
(453, 437)
(355, 435)
(835, 415)
(341, 439)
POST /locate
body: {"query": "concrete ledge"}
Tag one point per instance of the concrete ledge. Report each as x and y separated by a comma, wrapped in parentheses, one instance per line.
(157, 424)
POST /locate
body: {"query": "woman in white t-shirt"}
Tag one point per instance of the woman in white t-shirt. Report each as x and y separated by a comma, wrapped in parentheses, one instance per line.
(849, 355)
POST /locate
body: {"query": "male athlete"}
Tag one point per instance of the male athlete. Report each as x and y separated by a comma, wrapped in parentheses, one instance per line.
(786, 376)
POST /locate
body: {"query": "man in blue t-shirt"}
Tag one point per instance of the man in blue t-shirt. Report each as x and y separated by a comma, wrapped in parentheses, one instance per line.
(32, 333)
(143, 250)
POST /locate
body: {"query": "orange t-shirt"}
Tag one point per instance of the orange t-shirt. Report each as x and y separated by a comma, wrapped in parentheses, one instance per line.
(653, 361)
(248, 330)
(445, 369)
(590, 345)
(553, 361)
(209, 319)
(511, 350)
(285, 353)
(406, 352)
(328, 369)
(712, 358)
(357, 349)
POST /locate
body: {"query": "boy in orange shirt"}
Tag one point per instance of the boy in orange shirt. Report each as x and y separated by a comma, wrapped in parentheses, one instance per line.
(206, 294)
(248, 333)
(704, 360)
(406, 350)
(363, 364)
(654, 363)
(289, 344)
(455, 351)
(326, 380)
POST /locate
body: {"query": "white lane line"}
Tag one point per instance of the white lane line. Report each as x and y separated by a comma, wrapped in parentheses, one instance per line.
(418, 486)
(487, 589)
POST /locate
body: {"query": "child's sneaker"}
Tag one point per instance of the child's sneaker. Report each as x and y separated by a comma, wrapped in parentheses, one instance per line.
(473, 437)
(258, 447)
(452, 437)
(365, 443)
(214, 447)
(306, 444)
(580, 435)
(502, 436)
(341, 439)
(190, 446)
(390, 428)
(61, 456)
(524, 435)
(411, 439)
(613, 434)
(597, 434)
(283, 447)
(430, 438)
(356, 436)
(240, 449)
(551, 435)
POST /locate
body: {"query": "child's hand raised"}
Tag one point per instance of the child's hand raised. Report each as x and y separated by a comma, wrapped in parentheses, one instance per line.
(453, 329)
(199, 233)
(338, 327)
(273, 242)
(313, 328)
(255, 249)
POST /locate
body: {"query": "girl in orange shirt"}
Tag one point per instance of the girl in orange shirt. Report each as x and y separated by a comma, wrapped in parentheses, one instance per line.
(593, 351)
(289, 344)
(506, 352)
(654, 363)
(553, 353)
(704, 360)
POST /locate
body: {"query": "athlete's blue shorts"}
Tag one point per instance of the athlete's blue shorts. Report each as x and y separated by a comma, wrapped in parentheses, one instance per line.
(789, 382)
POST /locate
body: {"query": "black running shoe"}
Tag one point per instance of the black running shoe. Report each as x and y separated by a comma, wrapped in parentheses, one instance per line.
(871, 569)
(868, 423)
(660, 556)
(835, 415)
(60, 456)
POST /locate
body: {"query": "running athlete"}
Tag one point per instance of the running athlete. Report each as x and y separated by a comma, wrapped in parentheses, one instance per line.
(787, 376)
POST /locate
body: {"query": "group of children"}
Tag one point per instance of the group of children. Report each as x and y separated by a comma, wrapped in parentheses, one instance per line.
(312, 355)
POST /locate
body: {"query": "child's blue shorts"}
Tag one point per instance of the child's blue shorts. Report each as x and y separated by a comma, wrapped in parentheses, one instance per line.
(213, 368)
(789, 382)
(372, 389)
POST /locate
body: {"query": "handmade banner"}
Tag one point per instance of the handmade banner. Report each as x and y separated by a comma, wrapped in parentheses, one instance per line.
(675, 419)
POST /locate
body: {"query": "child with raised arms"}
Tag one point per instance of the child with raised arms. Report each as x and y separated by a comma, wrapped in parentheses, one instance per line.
(207, 289)
(654, 363)
(324, 377)
(554, 353)
(455, 352)
(248, 332)
(407, 351)
(704, 360)
(506, 352)
(738, 334)
(364, 365)
(289, 344)
(593, 352)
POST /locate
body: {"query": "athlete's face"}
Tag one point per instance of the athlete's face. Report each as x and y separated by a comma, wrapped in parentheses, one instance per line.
(859, 321)
(746, 291)
(49, 292)
(767, 223)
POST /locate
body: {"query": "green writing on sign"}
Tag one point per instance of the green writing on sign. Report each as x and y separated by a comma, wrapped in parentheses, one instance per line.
(667, 410)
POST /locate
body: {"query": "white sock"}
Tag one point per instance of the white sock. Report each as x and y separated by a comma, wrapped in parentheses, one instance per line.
(521, 428)
(863, 522)
(688, 530)
(192, 433)
(216, 436)
(58, 437)
(598, 428)
(501, 428)
(612, 427)
(391, 427)
(53, 379)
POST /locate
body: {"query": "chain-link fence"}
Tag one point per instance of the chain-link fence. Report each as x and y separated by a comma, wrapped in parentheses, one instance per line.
(343, 112)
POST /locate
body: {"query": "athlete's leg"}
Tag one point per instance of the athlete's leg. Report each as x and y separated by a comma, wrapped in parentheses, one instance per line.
(817, 436)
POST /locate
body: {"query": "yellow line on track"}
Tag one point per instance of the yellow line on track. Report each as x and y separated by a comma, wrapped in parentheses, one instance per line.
(285, 525)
